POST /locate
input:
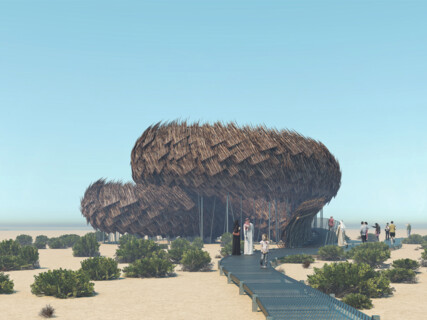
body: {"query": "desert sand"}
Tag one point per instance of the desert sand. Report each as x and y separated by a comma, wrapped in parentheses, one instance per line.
(198, 295)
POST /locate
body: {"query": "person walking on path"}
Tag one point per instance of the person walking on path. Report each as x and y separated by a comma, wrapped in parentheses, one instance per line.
(392, 231)
(236, 239)
(248, 232)
(331, 223)
(363, 232)
(377, 230)
(264, 251)
(341, 235)
(387, 232)
(408, 229)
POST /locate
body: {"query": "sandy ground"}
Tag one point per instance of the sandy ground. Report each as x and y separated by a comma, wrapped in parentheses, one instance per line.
(199, 295)
(408, 301)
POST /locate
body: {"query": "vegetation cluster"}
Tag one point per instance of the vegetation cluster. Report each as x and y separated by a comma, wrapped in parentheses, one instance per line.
(14, 256)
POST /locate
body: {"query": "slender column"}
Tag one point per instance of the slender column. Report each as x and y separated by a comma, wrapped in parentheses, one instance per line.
(226, 215)
(277, 227)
(269, 220)
(201, 224)
(321, 218)
(213, 214)
(241, 218)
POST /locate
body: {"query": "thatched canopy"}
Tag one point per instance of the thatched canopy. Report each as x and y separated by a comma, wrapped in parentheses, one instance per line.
(174, 164)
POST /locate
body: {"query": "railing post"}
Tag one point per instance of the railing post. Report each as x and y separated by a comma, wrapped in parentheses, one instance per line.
(241, 289)
(229, 278)
(254, 303)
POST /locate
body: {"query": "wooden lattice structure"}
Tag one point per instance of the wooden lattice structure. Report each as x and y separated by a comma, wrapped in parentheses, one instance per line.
(175, 165)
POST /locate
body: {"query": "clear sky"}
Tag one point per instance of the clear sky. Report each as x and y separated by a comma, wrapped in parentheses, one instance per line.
(81, 80)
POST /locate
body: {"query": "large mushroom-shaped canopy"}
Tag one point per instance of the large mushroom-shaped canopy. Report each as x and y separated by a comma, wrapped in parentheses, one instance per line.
(176, 164)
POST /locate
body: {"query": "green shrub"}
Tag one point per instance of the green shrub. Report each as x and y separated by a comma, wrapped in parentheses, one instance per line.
(196, 259)
(227, 249)
(15, 257)
(413, 239)
(358, 301)
(344, 277)
(6, 285)
(101, 268)
(226, 238)
(155, 265)
(424, 245)
(69, 240)
(331, 253)
(41, 242)
(198, 243)
(178, 247)
(24, 240)
(400, 275)
(424, 255)
(63, 283)
(131, 249)
(56, 243)
(406, 264)
(374, 253)
(86, 246)
(297, 258)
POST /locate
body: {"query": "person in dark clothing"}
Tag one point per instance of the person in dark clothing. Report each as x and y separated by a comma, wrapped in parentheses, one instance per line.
(377, 230)
(236, 239)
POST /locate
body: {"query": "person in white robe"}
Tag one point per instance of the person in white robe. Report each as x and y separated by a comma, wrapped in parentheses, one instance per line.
(248, 232)
(341, 235)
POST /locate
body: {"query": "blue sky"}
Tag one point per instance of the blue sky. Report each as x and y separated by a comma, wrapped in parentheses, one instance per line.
(81, 80)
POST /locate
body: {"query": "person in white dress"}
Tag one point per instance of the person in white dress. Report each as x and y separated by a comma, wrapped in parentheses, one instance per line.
(248, 232)
(341, 235)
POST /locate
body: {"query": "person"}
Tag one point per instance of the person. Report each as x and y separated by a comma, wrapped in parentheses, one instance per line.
(248, 232)
(236, 239)
(363, 232)
(341, 235)
(367, 228)
(387, 232)
(331, 223)
(264, 250)
(377, 230)
(408, 229)
(392, 231)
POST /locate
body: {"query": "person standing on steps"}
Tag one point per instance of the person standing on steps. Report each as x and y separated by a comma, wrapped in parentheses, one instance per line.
(367, 228)
(236, 239)
(264, 251)
(331, 223)
(408, 229)
(248, 232)
(377, 230)
(363, 232)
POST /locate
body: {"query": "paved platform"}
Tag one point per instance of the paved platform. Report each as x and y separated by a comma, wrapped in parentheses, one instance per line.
(279, 296)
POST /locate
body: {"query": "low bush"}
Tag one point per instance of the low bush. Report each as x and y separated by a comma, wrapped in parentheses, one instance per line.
(131, 249)
(24, 240)
(178, 247)
(155, 265)
(226, 238)
(86, 246)
(196, 259)
(56, 243)
(227, 249)
(398, 275)
(101, 268)
(424, 254)
(406, 264)
(198, 243)
(306, 264)
(6, 285)
(69, 240)
(358, 301)
(41, 242)
(331, 253)
(413, 239)
(47, 312)
(63, 283)
(297, 258)
(344, 277)
(15, 257)
(374, 253)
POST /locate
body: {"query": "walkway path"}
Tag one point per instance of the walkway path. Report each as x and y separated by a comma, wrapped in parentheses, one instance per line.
(281, 297)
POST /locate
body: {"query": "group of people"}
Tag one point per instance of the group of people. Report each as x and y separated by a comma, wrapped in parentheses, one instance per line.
(248, 235)
(390, 231)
